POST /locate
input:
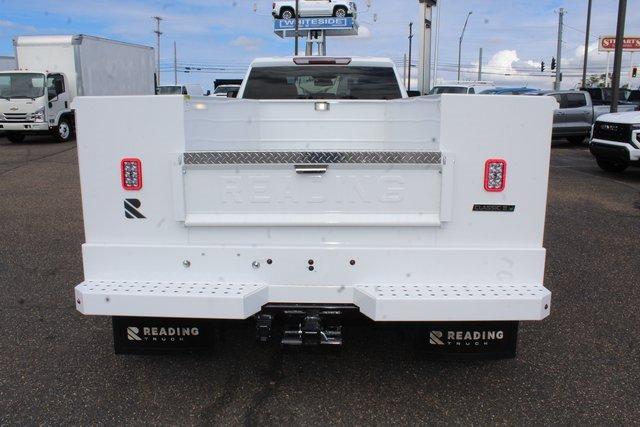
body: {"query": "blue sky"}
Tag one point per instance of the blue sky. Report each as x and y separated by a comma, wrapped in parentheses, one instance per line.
(226, 34)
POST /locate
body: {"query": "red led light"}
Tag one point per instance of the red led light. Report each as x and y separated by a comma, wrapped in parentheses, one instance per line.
(495, 175)
(131, 173)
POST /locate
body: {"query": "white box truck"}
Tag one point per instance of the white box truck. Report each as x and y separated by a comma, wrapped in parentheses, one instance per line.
(53, 70)
(321, 196)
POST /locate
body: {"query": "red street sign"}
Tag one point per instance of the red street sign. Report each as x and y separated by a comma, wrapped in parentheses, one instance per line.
(630, 43)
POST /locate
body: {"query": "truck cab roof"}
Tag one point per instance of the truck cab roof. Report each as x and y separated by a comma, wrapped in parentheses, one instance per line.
(353, 61)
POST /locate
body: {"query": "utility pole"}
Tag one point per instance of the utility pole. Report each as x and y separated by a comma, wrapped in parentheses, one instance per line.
(158, 34)
(424, 63)
(557, 83)
(408, 84)
(617, 58)
(297, 25)
(480, 66)
(586, 46)
(175, 64)
(460, 43)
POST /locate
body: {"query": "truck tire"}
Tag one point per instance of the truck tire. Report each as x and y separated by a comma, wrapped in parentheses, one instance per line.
(340, 12)
(287, 13)
(64, 131)
(576, 140)
(15, 137)
(611, 166)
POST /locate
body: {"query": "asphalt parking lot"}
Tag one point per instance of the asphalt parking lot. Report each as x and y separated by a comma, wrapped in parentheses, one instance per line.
(580, 366)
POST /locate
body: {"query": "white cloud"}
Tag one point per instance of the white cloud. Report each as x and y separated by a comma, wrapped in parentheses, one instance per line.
(13, 26)
(248, 43)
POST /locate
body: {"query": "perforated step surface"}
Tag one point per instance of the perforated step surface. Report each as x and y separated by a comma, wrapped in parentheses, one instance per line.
(453, 302)
(170, 299)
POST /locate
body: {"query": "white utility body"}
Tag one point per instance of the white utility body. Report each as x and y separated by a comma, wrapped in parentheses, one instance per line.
(381, 204)
(53, 70)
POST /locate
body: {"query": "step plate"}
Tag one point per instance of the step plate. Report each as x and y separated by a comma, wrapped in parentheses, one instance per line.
(419, 303)
(170, 299)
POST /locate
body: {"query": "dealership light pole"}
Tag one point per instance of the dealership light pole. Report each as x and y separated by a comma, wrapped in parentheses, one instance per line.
(437, 43)
(158, 34)
(407, 83)
(460, 42)
(586, 46)
(424, 62)
(617, 58)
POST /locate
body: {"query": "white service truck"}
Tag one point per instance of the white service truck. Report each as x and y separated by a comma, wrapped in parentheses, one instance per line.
(52, 70)
(322, 195)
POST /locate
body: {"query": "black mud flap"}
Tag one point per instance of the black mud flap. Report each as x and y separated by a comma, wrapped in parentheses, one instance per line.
(467, 340)
(161, 336)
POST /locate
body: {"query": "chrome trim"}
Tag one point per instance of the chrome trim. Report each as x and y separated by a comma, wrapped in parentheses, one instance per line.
(312, 157)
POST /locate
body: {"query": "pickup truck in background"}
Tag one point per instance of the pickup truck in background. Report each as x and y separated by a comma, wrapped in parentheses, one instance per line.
(602, 95)
(53, 70)
(577, 114)
(323, 195)
(313, 8)
(615, 142)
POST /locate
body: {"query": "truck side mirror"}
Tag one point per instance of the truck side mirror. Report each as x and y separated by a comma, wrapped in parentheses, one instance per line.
(413, 93)
(232, 94)
(51, 93)
(208, 93)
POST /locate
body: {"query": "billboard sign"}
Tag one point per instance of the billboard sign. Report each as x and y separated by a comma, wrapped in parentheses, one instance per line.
(332, 26)
(608, 44)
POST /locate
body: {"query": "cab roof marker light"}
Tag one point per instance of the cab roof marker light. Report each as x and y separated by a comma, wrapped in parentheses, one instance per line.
(131, 172)
(323, 60)
(495, 175)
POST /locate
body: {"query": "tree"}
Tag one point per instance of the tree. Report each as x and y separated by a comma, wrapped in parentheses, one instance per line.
(596, 80)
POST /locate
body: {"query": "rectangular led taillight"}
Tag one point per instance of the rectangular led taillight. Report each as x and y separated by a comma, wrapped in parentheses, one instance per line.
(131, 170)
(495, 175)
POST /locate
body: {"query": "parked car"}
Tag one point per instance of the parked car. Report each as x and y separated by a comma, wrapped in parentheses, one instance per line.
(313, 8)
(462, 87)
(224, 90)
(576, 114)
(187, 89)
(615, 141)
(510, 91)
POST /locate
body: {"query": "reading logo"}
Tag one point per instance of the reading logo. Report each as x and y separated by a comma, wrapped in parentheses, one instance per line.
(164, 334)
(465, 338)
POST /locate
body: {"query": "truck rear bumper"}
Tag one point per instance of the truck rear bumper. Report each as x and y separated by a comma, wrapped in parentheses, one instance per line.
(28, 127)
(393, 303)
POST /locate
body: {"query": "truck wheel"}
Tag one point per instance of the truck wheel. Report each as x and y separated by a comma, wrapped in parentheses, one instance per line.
(15, 137)
(611, 166)
(63, 132)
(286, 14)
(576, 140)
(340, 12)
